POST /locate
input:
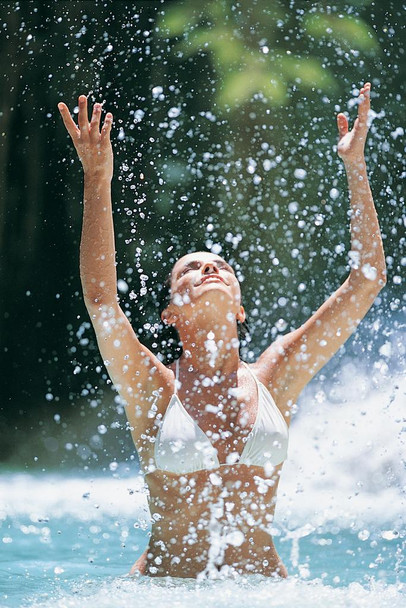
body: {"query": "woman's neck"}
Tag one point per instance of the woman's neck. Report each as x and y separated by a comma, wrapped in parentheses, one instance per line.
(211, 350)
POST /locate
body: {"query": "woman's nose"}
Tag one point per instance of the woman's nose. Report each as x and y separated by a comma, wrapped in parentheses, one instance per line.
(210, 268)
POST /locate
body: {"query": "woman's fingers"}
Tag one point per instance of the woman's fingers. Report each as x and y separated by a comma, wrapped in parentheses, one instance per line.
(68, 121)
(85, 129)
(86, 132)
(364, 104)
(351, 143)
(363, 109)
(342, 124)
(105, 132)
(95, 122)
(366, 89)
(83, 117)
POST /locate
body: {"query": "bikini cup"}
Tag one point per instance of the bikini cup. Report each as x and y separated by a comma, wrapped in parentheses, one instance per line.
(182, 447)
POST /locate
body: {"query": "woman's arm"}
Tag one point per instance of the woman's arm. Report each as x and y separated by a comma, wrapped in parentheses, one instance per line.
(295, 359)
(97, 250)
(367, 255)
(131, 366)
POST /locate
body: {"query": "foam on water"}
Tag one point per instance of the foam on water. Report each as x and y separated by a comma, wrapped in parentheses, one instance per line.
(346, 459)
(85, 499)
(254, 592)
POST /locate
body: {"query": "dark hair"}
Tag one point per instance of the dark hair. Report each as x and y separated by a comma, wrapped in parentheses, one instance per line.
(170, 341)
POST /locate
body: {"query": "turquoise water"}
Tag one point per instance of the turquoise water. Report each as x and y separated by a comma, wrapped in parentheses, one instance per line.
(69, 540)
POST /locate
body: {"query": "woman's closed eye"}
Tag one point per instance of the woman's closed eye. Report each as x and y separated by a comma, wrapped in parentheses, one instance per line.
(225, 267)
(187, 269)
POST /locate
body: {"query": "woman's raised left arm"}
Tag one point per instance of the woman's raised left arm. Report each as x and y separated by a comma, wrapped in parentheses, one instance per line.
(297, 357)
(367, 255)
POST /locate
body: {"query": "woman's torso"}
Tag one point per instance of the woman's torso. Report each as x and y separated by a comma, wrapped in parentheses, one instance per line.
(213, 517)
(205, 521)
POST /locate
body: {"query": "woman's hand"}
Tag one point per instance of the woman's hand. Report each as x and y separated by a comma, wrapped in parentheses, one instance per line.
(92, 145)
(351, 143)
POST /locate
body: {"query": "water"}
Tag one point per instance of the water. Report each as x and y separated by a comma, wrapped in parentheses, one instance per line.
(69, 540)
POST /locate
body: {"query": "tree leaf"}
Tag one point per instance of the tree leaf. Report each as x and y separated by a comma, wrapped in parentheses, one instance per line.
(240, 86)
(307, 71)
(350, 32)
(226, 48)
(177, 20)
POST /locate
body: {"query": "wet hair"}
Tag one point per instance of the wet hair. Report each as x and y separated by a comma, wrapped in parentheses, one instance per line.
(170, 342)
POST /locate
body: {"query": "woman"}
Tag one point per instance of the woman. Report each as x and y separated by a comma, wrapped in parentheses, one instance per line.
(211, 431)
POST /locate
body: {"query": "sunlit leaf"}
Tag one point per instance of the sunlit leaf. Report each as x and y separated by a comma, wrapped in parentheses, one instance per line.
(239, 87)
(218, 10)
(274, 89)
(178, 19)
(307, 71)
(200, 39)
(350, 32)
(226, 48)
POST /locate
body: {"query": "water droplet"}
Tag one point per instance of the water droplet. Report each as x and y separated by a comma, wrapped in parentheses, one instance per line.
(173, 112)
(300, 173)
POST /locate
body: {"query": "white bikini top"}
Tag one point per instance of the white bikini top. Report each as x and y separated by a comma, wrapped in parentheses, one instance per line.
(182, 447)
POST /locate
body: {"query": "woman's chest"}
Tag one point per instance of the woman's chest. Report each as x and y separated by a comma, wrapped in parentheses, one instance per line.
(224, 405)
(226, 417)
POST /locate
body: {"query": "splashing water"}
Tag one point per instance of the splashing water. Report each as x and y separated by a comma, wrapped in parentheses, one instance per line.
(248, 165)
(212, 349)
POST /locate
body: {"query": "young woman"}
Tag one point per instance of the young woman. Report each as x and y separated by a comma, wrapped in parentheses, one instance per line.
(211, 431)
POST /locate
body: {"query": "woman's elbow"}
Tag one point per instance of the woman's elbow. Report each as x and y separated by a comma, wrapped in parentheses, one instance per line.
(368, 278)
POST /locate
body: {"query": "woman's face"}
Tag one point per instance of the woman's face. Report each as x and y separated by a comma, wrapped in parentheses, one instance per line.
(201, 277)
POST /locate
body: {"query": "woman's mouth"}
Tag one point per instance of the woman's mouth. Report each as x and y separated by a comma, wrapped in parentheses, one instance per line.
(211, 277)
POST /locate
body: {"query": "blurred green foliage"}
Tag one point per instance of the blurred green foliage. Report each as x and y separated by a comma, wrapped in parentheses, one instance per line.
(239, 35)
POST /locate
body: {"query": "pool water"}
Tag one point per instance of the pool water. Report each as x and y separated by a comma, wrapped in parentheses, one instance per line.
(69, 540)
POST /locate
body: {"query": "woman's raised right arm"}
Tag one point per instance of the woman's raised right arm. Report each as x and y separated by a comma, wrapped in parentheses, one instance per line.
(97, 250)
(131, 366)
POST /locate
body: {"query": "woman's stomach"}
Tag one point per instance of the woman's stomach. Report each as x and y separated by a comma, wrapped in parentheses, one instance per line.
(219, 519)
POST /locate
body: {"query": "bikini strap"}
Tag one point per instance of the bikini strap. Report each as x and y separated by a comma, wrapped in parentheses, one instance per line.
(250, 371)
(176, 376)
(257, 384)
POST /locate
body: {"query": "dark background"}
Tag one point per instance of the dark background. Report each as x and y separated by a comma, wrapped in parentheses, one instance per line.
(224, 134)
